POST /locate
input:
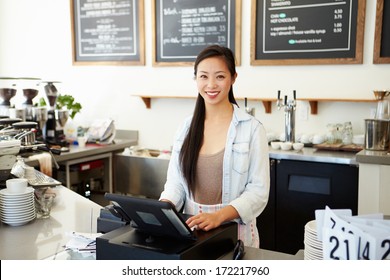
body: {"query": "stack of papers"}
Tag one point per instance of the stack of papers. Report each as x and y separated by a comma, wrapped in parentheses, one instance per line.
(82, 242)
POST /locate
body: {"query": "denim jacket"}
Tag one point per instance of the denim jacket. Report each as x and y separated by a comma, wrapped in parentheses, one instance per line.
(246, 177)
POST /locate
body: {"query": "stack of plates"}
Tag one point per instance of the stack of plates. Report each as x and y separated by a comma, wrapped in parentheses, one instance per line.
(17, 208)
(313, 247)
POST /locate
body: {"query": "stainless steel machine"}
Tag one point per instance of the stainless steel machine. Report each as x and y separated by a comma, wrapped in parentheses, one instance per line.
(56, 119)
(289, 115)
(17, 138)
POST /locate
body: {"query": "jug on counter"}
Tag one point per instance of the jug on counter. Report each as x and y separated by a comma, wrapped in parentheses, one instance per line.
(377, 134)
(383, 110)
(383, 106)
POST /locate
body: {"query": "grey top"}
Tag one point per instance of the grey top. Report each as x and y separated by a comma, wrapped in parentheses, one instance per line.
(208, 185)
(315, 155)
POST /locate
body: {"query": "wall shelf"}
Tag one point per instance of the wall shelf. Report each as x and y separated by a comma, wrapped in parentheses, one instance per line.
(267, 102)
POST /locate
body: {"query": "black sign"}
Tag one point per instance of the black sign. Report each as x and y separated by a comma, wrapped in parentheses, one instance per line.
(306, 29)
(184, 27)
(385, 46)
(108, 30)
(382, 32)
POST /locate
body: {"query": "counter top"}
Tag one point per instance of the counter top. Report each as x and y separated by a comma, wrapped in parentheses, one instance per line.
(42, 238)
(262, 254)
(45, 238)
(75, 152)
(315, 155)
(93, 149)
(373, 157)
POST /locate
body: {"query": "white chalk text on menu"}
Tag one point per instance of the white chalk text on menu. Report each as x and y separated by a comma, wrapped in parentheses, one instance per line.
(183, 28)
(308, 31)
(107, 30)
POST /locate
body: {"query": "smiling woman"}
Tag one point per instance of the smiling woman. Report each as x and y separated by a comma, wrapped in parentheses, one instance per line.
(219, 169)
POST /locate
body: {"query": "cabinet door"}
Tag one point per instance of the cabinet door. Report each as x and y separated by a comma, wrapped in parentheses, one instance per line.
(301, 188)
(266, 220)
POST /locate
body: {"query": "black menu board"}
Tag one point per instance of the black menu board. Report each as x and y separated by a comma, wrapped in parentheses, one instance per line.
(307, 32)
(382, 32)
(108, 32)
(182, 28)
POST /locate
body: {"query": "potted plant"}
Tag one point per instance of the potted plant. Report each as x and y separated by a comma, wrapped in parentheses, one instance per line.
(65, 101)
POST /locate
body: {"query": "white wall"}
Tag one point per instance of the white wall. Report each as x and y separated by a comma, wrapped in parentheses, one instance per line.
(36, 42)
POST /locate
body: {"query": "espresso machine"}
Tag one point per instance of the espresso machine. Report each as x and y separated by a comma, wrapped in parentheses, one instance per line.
(56, 119)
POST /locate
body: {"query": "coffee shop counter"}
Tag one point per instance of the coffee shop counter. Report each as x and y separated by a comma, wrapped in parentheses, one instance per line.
(45, 238)
(42, 238)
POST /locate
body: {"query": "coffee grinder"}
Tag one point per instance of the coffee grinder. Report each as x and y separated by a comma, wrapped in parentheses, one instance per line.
(54, 133)
(30, 91)
(6, 93)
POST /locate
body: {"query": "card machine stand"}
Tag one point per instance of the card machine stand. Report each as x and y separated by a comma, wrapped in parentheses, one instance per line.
(157, 232)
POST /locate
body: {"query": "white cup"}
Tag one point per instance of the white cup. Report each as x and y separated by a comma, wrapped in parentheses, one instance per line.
(306, 138)
(82, 140)
(17, 185)
(29, 173)
(318, 139)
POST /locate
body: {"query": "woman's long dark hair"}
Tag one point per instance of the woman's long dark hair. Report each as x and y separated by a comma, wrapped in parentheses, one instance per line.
(193, 141)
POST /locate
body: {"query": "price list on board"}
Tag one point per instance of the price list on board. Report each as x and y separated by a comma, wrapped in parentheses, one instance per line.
(106, 28)
(307, 26)
(186, 27)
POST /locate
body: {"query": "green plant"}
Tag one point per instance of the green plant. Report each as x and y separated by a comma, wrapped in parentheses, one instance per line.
(65, 101)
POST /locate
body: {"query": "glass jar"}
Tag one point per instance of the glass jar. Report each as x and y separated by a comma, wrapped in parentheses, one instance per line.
(347, 133)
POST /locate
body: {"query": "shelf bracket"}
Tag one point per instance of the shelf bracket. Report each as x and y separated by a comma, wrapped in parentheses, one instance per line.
(313, 107)
(267, 106)
(147, 101)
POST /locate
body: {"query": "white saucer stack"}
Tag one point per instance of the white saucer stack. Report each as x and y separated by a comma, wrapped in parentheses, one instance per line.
(313, 247)
(17, 208)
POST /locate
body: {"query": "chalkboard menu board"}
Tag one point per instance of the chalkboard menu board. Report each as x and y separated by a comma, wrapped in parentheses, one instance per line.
(182, 28)
(382, 32)
(108, 32)
(307, 32)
